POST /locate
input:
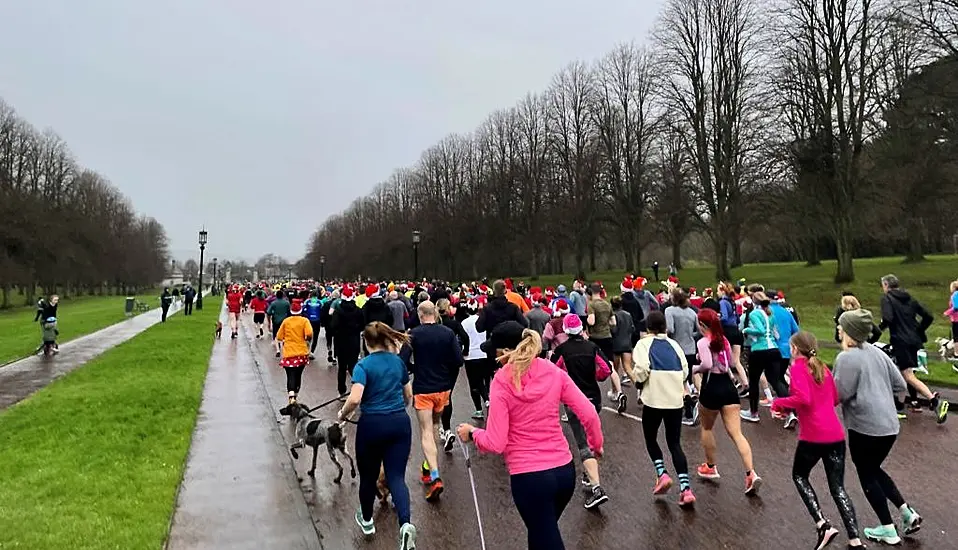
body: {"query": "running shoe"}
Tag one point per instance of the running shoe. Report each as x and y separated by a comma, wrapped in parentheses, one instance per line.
(791, 421)
(625, 381)
(826, 534)
(752, 483)
(777, 415)
(426, 475)
(449, 442)
(765, 402)
(743, 393)
(707, 472)
(902, 415)
(278, 355)
(885, 534)
(585, 480)
(622, 403)
(910, 521)
(368, 527)
(942, 409)
(433, 490)
(686, 498)
(749, 416)
(662, 485)
(597, 498)
(478, 415)
(407, 537)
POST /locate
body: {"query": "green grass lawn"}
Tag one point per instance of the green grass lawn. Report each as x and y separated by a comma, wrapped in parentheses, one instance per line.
(93, 461)
(813, 293)
(20, 336)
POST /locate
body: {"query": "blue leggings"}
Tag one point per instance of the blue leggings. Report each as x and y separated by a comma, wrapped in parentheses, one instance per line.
(383, 440)
(540, 498)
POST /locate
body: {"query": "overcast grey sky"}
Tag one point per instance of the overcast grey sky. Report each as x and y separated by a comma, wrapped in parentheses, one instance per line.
(261, 118)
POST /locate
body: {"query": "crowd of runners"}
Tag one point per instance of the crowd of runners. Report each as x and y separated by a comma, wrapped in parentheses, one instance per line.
(537, 357)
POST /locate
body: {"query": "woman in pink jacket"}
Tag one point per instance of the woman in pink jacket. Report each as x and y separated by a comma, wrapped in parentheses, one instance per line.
(523, 426)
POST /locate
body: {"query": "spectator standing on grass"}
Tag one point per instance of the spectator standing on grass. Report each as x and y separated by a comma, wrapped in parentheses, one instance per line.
(189, 294)
(907, 322)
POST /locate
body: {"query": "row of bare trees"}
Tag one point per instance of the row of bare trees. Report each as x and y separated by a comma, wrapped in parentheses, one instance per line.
(65, 228)
(778, 129)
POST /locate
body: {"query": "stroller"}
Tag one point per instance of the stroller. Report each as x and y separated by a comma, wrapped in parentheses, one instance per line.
(50, 333)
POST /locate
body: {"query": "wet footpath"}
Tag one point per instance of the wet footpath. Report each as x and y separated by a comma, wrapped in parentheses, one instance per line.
(22, 378)
(239, 490)
(633, 519)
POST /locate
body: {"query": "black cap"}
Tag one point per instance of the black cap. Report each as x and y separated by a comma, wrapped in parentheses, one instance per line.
(505, 335)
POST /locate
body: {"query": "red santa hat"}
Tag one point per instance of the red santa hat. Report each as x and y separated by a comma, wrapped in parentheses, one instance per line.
(626, 285)
(673, 279)
(550, 292)
(484, 289)
(536, 290)
(707, 292)
(296, 307)
(508, 282)
(639, 283)
(561, 308)
(348, 293)
(372, 291)
(472, 305)
(691, 291)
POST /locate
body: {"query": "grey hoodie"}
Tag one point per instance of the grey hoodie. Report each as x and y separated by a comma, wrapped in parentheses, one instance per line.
(867, 382)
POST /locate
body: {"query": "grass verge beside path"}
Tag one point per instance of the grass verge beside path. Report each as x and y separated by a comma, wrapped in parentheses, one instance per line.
(813, 293)
(93, 461)
(20, 336)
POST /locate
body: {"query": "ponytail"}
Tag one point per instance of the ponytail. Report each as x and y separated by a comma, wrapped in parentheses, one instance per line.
(521, 358)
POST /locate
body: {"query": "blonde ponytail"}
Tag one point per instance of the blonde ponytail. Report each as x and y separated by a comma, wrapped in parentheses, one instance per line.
(521, 358)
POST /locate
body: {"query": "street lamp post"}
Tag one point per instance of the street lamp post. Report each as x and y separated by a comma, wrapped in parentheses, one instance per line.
(322, 269)
(416, 236)
(204, 236)
(213, 290)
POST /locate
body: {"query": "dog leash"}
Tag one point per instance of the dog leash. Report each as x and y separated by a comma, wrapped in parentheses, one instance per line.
(475, 498)
(320, 406)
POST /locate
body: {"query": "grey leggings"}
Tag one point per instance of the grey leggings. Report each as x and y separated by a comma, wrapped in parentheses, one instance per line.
(832, 456)
(578, 431)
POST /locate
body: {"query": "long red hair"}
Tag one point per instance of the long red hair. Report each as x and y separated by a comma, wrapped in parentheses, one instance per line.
(711, 321)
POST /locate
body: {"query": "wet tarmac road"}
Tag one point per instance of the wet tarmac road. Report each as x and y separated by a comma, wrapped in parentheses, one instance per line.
(633, 519)
(20, 379)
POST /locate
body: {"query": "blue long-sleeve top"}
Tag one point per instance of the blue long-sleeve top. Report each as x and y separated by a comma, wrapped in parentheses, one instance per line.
(761, 330)
(786, 326)
(727, 315)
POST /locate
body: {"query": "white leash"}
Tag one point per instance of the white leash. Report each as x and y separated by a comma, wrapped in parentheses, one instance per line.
(475, 498)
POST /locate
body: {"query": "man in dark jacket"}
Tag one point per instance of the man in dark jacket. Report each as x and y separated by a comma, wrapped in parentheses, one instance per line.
(630, 304)
(375, 309)
(498, 310)
(347, 325)
(165, 301)
(189, 294)
(538, 319)
(907, 322)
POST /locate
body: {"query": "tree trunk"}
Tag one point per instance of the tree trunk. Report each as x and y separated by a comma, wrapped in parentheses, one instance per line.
(720, 247)
(629, 258)
(736, 246)
(579, 261)
(843, 244)
(915, 240)
(813, 255)
(535, 263)
(677, 253)
(592, 257)
(6, 297)
(638, 262)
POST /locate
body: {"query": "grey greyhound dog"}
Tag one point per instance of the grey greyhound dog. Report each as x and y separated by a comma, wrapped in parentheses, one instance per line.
(312, 432)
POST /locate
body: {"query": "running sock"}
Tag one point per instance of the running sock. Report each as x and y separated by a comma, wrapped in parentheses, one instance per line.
(684, 482)
(434, 474)
(659, 467)
(713, 465)
(748, 472)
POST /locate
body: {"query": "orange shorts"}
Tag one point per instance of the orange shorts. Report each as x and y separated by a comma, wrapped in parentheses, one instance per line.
(434, 401)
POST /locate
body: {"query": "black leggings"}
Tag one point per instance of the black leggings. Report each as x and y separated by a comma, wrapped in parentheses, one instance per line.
(447, 412)
(832, 456)
(479, 373)
(540, 498)
(346, 364)
(316, 327)
(768, 361)
(329, 343)
(954, 332)
(672, 418)
(294, 378)
(868, 452)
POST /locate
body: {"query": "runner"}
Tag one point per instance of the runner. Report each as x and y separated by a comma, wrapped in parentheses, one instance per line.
(624, 338)
(583, 360)
(326, 316)
(682, 326)
(347, 326)
(234, 305)
(277, 312)
(381, 389)
(247, 298)
(821, 437)
(764, 356)
(447, 314)
(786, 327)
(294, 333)
(867, 380)
(433, 354)
(730, 318)
(526, 395)
(258, 305)
(718, 397)
(660, 365)
(313, 309)
(553, 336)
(478, 366)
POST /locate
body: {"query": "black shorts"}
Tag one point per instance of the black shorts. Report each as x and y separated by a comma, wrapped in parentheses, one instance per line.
(906, 357)
(276, 328)
(259, 318)
(717, 391)
(605, 346)
(733, 335)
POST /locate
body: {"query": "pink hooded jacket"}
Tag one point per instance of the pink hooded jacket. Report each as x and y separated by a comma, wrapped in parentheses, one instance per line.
(523, 425)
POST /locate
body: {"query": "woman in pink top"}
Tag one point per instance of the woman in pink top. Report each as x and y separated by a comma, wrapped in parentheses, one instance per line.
(821, 436)
(523, 426)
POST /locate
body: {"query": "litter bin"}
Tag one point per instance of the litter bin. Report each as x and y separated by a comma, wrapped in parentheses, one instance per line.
(128, 306)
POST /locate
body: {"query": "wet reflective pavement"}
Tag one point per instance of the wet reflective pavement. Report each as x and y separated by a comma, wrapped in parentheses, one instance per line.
(20, 379)
(239, 489)
(633, 519)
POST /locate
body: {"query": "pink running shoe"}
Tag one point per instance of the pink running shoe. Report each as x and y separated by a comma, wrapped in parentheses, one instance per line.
(752, 483)
(708, 472)
(686, 499)
(663, 485)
